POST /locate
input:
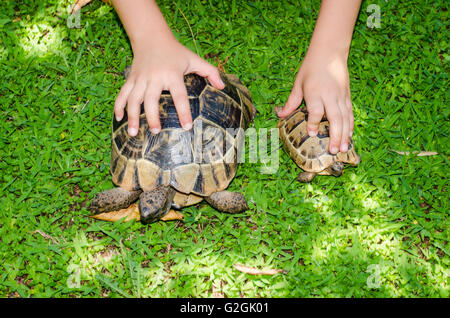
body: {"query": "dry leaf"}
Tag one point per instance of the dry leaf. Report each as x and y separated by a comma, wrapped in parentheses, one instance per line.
(132, 213)
(417, 153)
(221, 65)
(427, 153)
(172, 216)
(255, 271)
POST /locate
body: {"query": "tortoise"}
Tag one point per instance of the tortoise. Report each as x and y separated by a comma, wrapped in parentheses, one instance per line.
(176, 167)
(311, 153)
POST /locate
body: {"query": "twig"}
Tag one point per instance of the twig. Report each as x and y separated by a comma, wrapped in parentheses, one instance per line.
(190, 29)
(46, 236)
(417, 153)
(255, 271)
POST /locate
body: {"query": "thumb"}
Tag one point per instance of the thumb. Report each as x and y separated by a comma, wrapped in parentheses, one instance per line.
(205, 69)
(294, 100)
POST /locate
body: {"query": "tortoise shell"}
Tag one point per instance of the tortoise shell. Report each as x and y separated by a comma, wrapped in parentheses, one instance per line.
(197, 162)
(311, 153)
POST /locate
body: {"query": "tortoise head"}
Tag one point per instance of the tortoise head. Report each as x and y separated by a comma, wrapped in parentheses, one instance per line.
(337, 168)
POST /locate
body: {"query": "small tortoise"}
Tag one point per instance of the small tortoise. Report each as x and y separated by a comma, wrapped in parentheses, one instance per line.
(177, 168)
(311, 153)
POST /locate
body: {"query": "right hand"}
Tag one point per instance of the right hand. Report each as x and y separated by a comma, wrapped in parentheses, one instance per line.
(325, 87)
(156, 68)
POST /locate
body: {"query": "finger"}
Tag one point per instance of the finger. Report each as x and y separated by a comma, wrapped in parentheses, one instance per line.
(294, 100)
(345, 127)
(315, 114)
(121, 100)
(209, 71)
(334, 117)
(181, 101)
(351, 119)
(135, 100)
(151, 107)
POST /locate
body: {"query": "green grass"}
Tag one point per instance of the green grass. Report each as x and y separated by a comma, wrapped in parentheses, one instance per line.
(380, 230)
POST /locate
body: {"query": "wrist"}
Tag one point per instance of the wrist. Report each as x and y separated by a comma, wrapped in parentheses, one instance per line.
(149, 40)
(144, 23)
(328, 51)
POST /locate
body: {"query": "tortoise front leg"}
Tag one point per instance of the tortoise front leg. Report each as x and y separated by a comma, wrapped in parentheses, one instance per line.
(113, 199)
(226, 201)
(306, 176)
(155, 204)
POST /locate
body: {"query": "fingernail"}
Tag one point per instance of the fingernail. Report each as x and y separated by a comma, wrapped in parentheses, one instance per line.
(334, 150)
(155, 131)
(351, 133)
(118, 118)
(132, 131)
(312, 133)
(344, 148)
(187, 126)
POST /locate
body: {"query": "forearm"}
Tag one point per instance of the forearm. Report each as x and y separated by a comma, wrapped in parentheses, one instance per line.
(143, 22)
(334, 28)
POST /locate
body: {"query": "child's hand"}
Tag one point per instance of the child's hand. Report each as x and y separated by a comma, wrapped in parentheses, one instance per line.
(322, 80)
(324, 85)
(156, 68)
(159, 63)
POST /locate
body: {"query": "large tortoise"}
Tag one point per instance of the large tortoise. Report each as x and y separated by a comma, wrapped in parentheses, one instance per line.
(177, 168)
(311, 153)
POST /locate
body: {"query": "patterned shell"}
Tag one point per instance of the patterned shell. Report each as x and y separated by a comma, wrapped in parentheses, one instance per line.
(200, 161)
(311, 153)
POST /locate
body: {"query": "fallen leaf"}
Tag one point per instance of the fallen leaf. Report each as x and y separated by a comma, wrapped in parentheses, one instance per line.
(427, 153)
(417, 153)
(172, 215)
(255, 271)
(132, 213)
(221, 65)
